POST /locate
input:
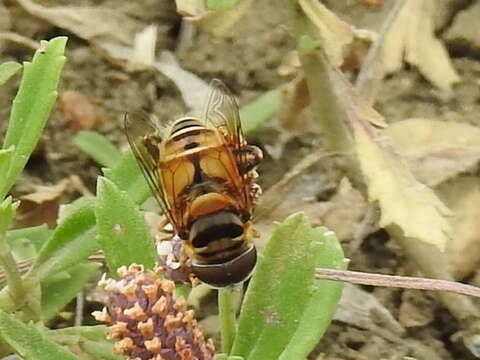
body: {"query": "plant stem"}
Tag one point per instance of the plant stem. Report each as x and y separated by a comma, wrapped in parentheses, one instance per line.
(227, 319)
(14, 279)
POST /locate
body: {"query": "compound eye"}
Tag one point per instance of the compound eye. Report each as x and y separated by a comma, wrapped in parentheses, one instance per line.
(232, 272)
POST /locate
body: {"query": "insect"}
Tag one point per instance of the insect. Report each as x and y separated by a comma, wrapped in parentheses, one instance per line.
(202, 173)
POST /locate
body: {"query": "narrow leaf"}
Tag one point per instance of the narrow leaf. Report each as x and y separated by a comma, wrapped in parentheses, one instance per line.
(122, 230)
(220, 4)
(32, 105)
(7, 213)
(5, 158)
(278, 292)
(57, 294)
(7, 70)
(37, 235)
(261, 110)
(324, 300)
(29, 342)
(98, 147)
(73, 240)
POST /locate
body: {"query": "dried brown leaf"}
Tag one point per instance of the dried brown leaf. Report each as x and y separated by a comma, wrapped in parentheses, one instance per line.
(436, 150)
(78, 110)
(96, 24)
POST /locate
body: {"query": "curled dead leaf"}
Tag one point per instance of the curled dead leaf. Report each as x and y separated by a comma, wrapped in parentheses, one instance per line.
(412, 37)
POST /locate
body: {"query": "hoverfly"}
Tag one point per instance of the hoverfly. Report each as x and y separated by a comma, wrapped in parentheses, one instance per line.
(202, 173)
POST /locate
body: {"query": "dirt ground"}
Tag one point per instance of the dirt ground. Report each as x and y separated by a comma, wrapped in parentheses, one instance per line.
(247, 60)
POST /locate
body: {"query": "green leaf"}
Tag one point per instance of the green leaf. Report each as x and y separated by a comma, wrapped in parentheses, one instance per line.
(127, 176)
(7, 70)
(278, 292)
(5, 158)
(32, 106)
(73, 240)
(57, 294)
(22, 249)
(220, 4)
(29, 342)
(98, 147)
(37, 235)
(122, 230)
(324, 300)
(261, 110)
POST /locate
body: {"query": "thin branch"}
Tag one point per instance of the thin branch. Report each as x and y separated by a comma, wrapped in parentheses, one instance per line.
(372, 72)
(79, 307)
(404, 282)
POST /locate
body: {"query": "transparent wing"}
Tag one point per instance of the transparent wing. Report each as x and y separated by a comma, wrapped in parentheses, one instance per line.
(221, 110)
(144, 137)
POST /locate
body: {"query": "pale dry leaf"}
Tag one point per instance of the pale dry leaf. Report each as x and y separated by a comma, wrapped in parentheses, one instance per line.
(412, 37)
(192, 87)
(89, 23)
(220, 22)
(334, 33)
(47, 193)
(404, 201)
(462, 195)
(18, 40)
(436, 150)
(144, 49)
